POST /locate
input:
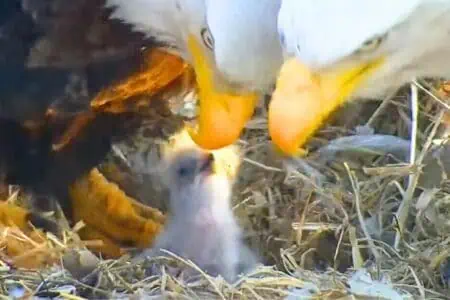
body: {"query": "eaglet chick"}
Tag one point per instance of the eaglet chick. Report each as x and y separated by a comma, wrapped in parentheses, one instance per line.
(202, 227)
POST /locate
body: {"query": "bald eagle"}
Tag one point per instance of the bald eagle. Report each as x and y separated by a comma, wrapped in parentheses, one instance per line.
(233, 47)
(353, 49)
(74, 81)
(238, 49)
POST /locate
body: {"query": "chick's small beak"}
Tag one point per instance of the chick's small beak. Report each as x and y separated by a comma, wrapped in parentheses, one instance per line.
(302, 101)
(222, 115)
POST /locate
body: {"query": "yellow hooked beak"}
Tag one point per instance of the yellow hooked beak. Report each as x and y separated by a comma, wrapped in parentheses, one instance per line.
(222, 115)
(302, 101)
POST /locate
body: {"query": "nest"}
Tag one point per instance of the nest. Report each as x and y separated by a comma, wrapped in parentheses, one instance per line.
(368, 207)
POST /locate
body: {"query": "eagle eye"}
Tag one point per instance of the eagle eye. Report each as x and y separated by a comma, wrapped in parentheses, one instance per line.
(183, 171)
(372, 44)
(207, 38)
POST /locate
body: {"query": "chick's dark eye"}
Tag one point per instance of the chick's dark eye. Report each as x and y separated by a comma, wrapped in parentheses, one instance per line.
(207, 38)
(183, 171)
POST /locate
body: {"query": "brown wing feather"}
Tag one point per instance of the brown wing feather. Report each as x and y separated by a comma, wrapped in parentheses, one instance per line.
(56, 56)
(78, 33)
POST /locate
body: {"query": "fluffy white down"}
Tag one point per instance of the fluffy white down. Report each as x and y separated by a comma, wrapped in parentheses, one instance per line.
(328, 34)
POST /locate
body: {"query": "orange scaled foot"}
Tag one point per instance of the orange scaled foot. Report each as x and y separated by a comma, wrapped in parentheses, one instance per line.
(111, 216)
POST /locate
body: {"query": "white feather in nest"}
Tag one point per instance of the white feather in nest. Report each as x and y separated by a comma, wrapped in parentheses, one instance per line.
(361, 286)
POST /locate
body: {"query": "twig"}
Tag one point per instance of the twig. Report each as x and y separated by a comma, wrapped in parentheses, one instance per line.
(360, 216)
(189, 263)
(403, 210)
(262, 166)
(413, 179)
(381, 108)
(419, 284)
(442, 103)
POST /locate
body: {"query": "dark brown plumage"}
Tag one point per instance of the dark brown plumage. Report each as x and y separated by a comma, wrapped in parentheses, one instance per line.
(72, 83)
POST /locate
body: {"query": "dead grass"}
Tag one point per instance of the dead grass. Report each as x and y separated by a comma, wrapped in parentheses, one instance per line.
(372, 203)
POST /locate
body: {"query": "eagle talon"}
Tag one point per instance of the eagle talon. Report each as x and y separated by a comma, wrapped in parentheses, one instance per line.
(112, 216)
